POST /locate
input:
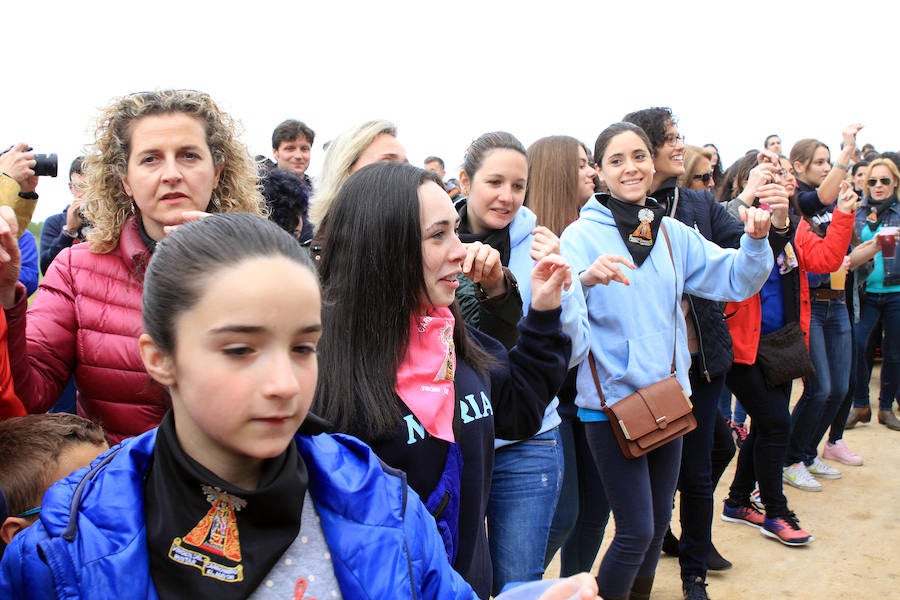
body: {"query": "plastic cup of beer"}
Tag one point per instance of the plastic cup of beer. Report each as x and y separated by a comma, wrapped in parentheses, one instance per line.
(888, 238)
(839, 279)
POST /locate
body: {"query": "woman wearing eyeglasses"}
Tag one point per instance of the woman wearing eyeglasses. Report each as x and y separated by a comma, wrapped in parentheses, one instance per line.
(159, 158)
(830, 341)
(698, 172)
(879, 281)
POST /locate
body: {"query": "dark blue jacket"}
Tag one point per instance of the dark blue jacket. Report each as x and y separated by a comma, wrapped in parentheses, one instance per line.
(53, 240)
(699, 209)
(91, 541)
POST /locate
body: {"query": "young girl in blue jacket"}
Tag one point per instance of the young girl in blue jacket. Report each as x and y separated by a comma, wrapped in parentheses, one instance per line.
(226, 499)
(636, 324)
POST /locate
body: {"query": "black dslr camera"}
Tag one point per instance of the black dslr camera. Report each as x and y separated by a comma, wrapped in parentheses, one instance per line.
(45, 164)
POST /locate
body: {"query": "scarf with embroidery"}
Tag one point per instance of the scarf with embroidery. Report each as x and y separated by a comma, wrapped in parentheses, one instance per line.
(209, 539)
(638, 225)
(425, 376)
(877, 209)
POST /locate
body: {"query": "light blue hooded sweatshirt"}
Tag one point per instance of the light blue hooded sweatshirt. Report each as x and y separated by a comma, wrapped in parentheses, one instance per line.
(574, 319)
(634, 328)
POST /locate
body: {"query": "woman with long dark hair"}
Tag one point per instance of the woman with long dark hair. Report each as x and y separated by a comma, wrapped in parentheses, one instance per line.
(405, 374)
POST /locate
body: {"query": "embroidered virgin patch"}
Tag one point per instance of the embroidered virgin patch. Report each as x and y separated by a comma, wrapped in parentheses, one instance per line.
(214, 538)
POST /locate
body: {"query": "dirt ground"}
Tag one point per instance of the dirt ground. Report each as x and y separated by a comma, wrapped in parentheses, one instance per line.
(857, 533)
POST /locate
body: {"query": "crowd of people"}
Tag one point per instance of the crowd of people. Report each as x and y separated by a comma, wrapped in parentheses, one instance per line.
(388, 382)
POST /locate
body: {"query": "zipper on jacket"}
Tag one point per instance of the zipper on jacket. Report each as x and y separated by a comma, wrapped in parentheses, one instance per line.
(442, 506)
(699, 339)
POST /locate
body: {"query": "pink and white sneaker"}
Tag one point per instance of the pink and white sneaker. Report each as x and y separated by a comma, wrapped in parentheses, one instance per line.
(840, 452)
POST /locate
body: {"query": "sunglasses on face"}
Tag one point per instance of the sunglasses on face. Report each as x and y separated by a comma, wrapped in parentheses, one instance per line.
(884, 181)
(704, 177)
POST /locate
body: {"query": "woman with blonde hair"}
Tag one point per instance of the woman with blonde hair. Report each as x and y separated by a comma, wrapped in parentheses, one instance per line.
(698, 172)
(159, 159)
(367, 143)
(878, 283)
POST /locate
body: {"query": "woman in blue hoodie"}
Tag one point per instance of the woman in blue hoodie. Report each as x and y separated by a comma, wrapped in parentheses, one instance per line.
(636, 324)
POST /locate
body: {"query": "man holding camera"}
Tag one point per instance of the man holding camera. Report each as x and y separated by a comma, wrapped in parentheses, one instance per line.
(67, 227)
(18, 182)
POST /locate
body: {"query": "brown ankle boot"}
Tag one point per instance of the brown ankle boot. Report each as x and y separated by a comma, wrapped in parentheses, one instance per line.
(889, 419)
(858, 415)
(640, 589)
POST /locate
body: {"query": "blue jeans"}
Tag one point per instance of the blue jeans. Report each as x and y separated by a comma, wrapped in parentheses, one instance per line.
(640, 493)
(887, 308)
(739, 416)
(830, 348)
(524, 489)
(582, 511)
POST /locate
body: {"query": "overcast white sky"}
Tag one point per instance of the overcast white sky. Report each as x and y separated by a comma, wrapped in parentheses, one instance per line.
(446, 72)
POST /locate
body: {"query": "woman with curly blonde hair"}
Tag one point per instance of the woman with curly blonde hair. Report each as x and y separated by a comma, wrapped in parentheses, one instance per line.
(160, 158)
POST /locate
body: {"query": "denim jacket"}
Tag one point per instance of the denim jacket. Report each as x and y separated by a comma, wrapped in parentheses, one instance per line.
(890, 219)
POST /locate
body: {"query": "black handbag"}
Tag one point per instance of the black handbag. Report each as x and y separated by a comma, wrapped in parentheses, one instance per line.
(782, 356)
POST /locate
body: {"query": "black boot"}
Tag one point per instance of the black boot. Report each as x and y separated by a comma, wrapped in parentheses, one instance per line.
(670, 543)
(640, 589)
(717, 562)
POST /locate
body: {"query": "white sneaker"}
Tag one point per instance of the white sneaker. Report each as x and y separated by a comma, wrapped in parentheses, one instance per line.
(823, 470)
(797, 476)
(756, 500)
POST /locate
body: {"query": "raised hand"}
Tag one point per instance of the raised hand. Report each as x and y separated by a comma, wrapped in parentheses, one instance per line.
(756, 221)
(545, 242)
(847, 198)
(10, 257)
(549, 278)
(482, 265)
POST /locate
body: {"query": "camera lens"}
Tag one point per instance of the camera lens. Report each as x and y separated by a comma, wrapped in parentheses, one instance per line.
(45, 164)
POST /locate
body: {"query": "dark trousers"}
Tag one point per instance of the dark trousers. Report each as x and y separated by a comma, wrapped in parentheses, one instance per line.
(580, 549)
(723, 449)
(640, 494)
(695, 478)
(761, 456)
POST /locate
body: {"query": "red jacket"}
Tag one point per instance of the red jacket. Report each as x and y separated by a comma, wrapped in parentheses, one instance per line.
(814, 254)
(10, 406)
(86, 319)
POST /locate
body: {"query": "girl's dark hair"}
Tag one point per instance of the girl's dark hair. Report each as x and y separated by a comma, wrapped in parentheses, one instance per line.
(654, 122)
(483, 144)
(718, 170)
(372, 285)
(188, 257)
(612, 131)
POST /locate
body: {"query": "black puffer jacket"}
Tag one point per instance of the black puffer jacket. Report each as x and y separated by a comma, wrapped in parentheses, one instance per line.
(699, 209)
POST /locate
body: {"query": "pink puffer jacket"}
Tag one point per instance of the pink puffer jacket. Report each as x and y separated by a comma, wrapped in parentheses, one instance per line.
(86, 319)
